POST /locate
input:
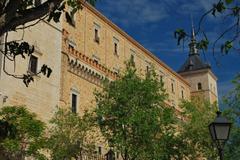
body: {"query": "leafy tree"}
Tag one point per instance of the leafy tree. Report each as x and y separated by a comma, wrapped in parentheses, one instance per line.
(133, 117)
(232, 100)
(68, 136)
(229, 38)
(22, 135)
(194, 131)
(18, 15)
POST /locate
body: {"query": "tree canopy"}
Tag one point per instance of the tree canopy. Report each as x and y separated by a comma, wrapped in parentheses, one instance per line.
(232, 111)
(134, 118)
(68, 136)
(22, 134)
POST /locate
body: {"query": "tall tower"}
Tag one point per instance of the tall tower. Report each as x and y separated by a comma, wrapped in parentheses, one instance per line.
(199, 74)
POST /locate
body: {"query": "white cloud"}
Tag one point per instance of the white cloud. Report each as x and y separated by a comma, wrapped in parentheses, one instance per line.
(135, 11)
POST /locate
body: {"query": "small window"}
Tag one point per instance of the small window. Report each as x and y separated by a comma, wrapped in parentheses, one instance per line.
(74, 103)
(182, 94)
(132, 58)
(199, 86)
(115, 48)
(33, 62)
(115, 43)
(172, 87)
(147, 70)
(161, 78)
(97, 39)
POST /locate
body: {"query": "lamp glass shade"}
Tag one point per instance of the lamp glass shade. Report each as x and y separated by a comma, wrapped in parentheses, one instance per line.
(219, 131)
(212, 131)
(222, 131)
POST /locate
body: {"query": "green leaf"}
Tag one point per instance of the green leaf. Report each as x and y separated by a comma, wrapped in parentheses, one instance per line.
(228, 1)
(179, 34)
(56, 16)
(226, 47)
(203, 44)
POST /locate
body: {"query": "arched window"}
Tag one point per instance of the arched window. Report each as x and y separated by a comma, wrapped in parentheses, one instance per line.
(199, 86)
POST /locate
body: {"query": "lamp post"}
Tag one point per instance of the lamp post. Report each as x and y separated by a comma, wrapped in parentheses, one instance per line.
(220, 130)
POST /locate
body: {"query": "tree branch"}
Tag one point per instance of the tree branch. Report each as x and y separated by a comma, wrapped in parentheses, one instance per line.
(29, 15)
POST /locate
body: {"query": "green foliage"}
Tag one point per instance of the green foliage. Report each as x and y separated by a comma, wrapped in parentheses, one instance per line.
(22, 134)
(203, 44)
(133, 117)
(226, 47)
(194, 130)
(229, 11)
(68, 135)
(219, 7)
(229, 1)
(180, 35)
(232, 112)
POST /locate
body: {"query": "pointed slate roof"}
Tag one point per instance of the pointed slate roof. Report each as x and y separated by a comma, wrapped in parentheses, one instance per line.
(194, 61)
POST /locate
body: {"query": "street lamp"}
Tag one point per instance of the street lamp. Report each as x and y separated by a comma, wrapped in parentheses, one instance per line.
(220, 130)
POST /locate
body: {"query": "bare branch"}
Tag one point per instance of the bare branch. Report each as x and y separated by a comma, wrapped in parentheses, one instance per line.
(29, 15)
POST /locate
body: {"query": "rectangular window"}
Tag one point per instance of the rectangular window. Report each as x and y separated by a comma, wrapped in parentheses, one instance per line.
(182, 93)
(97, 39)
(115, 48)
(115, 43)
(132, 59)
(147, 69)
(172, 86)
(74, 103)
(33, 62)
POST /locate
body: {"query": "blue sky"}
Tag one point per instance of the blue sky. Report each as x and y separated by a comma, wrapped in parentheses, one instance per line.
(153, 22)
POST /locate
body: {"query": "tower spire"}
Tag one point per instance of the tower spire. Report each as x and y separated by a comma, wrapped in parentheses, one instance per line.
(193, 44)
(193, 32)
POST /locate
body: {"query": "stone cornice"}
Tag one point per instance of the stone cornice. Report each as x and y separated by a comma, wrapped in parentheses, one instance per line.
(199, 72)
(134, 42)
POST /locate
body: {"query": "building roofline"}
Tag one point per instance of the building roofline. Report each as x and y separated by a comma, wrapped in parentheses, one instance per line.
(147, 52)
(199, 71)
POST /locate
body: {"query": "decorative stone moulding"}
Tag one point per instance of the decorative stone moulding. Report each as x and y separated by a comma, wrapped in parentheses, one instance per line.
(84, 62)
(84, 70)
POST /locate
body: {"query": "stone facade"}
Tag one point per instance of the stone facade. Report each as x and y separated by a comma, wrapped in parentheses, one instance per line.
(198, 73)
(208, 82)
(85, 54)
(42, 96)
(82, 56)
(106, 57)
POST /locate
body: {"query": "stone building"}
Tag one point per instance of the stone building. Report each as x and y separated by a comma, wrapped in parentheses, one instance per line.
(84, 53)
(198, 74)
(94, 48)
(42, 96)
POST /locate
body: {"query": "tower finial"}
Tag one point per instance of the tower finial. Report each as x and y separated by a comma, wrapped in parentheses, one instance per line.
(193, 43)
(193, 32)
